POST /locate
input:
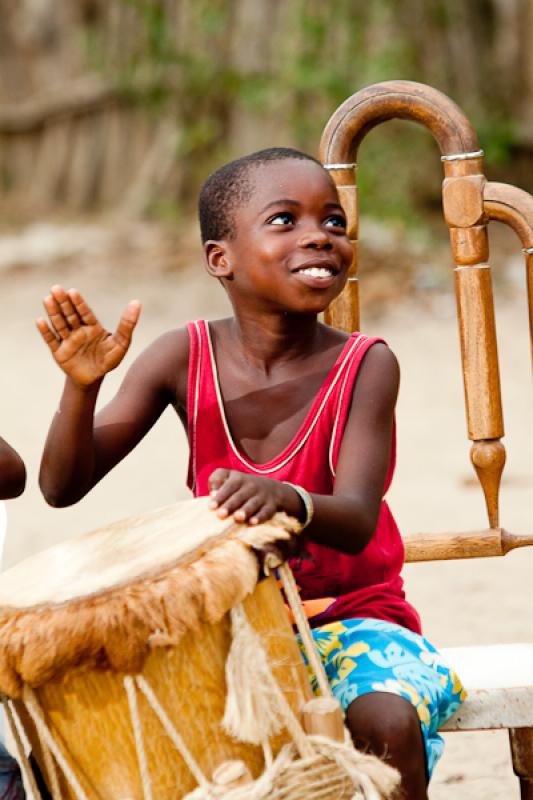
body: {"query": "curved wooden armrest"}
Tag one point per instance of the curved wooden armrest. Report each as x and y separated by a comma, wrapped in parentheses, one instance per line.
(464, 544)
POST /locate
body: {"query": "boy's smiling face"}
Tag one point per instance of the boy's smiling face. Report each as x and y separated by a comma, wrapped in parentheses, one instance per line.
(289, 250)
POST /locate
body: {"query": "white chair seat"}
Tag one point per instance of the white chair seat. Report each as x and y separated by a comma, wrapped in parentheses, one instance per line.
(499, 682)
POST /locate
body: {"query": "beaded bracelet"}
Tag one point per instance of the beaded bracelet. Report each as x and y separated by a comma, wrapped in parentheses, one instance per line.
(306, 499)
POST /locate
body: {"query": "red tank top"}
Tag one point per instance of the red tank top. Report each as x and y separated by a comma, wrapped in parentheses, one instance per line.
(333, 585)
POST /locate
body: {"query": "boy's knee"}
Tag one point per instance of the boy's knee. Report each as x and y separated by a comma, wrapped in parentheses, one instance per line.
(387, 726)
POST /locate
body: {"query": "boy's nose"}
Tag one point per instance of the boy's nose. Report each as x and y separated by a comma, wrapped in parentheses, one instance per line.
(315, 238)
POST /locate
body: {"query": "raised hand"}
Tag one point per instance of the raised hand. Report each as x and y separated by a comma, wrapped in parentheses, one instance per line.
(81, 346)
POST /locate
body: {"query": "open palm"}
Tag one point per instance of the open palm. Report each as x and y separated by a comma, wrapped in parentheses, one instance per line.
(81, 346)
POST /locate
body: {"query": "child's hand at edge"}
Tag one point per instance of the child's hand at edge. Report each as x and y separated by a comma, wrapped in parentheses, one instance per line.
(249, 498)
(80, 345)
(254, 499)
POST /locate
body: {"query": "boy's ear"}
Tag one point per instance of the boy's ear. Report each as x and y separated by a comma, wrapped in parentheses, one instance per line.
(217, 258)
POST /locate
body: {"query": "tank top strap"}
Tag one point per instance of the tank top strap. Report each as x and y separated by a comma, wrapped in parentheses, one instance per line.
(344, 395)
(199, 388)
(319, 436)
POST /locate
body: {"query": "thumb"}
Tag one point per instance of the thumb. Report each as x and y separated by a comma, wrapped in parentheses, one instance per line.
(217, 478)
(127, 323)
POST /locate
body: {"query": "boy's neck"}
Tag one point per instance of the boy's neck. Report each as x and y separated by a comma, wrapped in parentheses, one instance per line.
(267, 339)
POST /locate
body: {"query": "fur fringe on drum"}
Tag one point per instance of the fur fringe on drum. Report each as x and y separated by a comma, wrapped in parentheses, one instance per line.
(118, 628)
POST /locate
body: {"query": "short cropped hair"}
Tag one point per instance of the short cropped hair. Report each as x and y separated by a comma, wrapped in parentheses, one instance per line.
(231, 186)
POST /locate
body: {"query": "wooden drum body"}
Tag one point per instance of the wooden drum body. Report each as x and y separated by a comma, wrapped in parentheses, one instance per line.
(89, 716)
(147, 597)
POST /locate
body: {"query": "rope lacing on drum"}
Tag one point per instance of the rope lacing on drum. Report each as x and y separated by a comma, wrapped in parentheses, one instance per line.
(15, 728)
(49, 748)
(311, 766)
(146, 781)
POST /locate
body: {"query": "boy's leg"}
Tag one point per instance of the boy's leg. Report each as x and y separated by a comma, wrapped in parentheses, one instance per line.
(387, 725)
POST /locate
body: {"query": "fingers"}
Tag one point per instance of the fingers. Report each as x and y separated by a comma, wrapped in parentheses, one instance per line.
(248, 498)
(215, 481)
(66, 306)
(57, 319)
(127, 324)
(67, 311)
(83, 310)
(49, 337)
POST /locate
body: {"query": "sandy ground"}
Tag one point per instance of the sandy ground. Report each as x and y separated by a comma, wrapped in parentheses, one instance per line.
(470, 602)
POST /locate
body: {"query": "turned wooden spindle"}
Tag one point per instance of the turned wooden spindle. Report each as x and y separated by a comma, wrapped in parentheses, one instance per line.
(463, 203)
(322, 716)
(462, 544)
(231, 774)
(488, 460)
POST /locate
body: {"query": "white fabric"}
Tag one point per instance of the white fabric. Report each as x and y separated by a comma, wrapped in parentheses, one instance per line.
(495, 666)
(499, 682)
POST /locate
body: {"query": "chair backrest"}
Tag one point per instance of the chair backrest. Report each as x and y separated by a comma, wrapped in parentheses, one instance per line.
(469, 202)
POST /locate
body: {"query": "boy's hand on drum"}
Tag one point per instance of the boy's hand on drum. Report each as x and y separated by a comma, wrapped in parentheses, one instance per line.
(81, 346)
(249, 498)
(253, 499)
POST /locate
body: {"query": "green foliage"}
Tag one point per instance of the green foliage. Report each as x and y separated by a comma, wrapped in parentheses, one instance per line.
(497, 137)
(310, 57)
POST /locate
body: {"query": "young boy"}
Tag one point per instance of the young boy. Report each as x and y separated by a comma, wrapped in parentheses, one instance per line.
(281, 412)
(12, 483)
(12, 472)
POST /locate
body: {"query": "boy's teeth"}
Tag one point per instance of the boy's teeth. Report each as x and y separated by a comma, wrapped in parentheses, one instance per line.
(317, 272)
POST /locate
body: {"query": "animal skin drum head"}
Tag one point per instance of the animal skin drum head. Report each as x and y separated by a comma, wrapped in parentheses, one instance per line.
(113, 555)
(108, 597)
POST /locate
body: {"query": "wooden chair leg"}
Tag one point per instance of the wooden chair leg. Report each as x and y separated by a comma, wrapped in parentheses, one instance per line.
(521, 740)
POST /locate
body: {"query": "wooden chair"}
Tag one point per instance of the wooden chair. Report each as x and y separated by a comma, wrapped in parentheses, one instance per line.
(499, 678)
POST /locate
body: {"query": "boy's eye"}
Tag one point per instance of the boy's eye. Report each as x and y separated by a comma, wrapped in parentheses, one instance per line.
(283, 218)
(335, 221)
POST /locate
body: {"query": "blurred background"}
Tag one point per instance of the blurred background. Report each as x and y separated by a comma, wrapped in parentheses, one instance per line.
(111, 116)
(127, 104)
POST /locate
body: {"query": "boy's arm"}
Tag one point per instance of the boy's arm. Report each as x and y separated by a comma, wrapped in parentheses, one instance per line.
(12, 472)
(347, 519)
(80, 449)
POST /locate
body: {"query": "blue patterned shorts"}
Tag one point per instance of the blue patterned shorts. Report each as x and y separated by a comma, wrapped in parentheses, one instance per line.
(370, 655)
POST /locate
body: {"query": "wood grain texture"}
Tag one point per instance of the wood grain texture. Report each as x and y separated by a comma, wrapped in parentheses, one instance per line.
(477, 330)
(322, 716)
(470, 246)
(463, 544)
(488, 460)
(521, 741)
(88, 711)
(348, 198)
(462, 200)
(514, 207)
(375, 104)
(343, 313)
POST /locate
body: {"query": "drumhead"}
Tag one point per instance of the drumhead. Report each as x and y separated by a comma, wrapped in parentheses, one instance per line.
(107, 598)
(117, 554)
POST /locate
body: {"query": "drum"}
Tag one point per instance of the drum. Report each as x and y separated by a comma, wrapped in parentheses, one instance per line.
(113, 651)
